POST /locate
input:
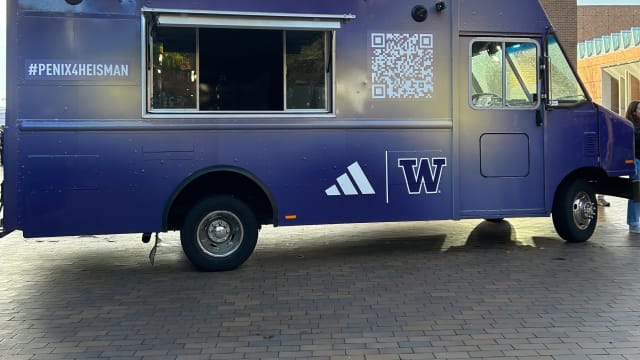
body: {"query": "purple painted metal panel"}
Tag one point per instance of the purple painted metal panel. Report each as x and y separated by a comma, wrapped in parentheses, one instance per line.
(616, 143)
(127, 7)
(512, 149)
(82, 179)
(60, 76)
(502, 17)
(568, 135)
(273, 6)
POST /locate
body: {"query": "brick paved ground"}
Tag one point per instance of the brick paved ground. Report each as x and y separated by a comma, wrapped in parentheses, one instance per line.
(435, 290)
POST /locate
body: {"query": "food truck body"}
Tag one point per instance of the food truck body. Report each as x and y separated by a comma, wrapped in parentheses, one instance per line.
(217, 117)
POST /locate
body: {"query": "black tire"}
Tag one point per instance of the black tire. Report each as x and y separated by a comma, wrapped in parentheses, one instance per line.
(575, 211)
(219, 234)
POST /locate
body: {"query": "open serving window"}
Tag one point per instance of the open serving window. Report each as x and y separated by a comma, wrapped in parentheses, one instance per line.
(240, 63)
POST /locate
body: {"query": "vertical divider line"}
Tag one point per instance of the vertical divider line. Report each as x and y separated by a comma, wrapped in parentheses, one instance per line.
(386, 174)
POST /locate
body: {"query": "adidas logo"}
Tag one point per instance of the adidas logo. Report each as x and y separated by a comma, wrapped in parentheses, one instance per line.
(346, 185)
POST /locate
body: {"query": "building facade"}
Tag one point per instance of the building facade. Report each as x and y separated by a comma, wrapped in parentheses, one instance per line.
(609, 54)
(563, 15)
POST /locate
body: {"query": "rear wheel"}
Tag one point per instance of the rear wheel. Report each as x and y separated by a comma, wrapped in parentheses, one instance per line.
(575, 211)
(219, 234)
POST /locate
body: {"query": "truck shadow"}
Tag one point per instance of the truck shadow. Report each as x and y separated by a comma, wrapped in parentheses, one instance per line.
(399, 240)
(502, 234)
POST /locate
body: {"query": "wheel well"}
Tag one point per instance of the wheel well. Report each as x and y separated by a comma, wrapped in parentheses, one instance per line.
(591, 174)
(224, 182)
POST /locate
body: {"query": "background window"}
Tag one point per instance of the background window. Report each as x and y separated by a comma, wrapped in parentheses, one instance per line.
(174, 69)
(306, 73)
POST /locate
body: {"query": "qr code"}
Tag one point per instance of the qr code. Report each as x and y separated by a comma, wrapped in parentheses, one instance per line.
(401, 66)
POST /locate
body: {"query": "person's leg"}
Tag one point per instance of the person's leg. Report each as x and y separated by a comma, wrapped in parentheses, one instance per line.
(632, 216)
(633, 208)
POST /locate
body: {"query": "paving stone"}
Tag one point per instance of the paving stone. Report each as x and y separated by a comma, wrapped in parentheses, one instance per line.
(421, 290)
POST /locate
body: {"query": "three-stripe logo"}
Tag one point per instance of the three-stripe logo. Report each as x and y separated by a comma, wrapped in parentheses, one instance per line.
(346, 185)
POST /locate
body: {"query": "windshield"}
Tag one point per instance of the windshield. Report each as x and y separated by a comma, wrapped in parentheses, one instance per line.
(564, 89)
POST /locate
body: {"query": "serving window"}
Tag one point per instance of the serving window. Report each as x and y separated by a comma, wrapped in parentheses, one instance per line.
(240, 63)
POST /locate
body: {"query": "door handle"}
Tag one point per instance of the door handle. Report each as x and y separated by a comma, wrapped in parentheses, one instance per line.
(539, 118)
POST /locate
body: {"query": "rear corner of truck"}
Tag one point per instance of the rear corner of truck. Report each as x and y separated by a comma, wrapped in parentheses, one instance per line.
(3, 229)
(8, 166)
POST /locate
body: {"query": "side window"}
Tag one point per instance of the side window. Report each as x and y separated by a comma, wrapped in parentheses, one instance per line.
(504, 74)
(240, 64)
(564, 88)
(486, 74)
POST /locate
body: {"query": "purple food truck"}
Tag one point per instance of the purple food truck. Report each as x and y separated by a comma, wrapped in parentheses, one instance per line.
(215, 117)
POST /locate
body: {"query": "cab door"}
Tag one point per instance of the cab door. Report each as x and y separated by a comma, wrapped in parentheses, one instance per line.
(499, 127)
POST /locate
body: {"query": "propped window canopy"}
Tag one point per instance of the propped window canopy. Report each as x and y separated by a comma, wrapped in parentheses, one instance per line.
(283, 21)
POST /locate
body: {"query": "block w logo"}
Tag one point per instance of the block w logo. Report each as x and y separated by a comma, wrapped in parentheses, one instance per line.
(424, 175)
(346, 185)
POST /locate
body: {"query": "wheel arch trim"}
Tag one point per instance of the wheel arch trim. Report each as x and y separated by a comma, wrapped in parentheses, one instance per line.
(211, 170)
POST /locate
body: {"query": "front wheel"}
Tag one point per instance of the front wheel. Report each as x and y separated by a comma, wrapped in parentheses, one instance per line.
(575, 211)
(219, 234)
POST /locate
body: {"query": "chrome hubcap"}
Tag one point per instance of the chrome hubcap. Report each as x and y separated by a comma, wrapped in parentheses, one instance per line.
(584, 210)
(220, 233)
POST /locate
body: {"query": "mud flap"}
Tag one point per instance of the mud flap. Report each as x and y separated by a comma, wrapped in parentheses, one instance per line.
(622, 187)
(635, 190)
